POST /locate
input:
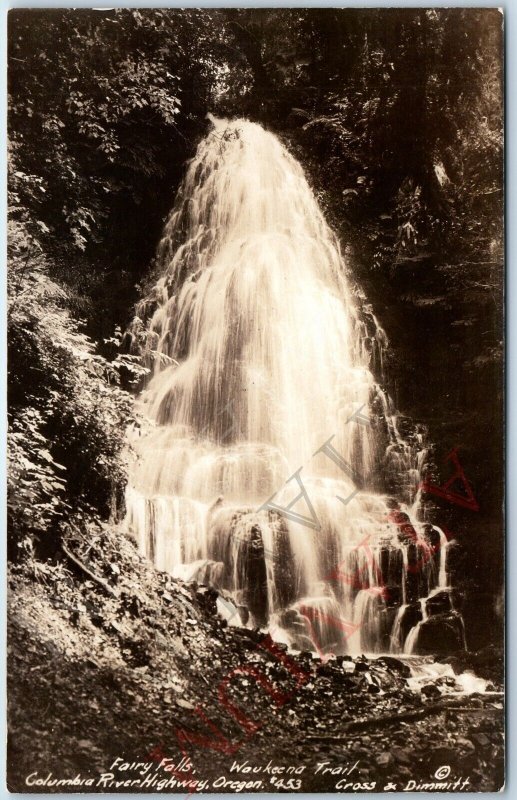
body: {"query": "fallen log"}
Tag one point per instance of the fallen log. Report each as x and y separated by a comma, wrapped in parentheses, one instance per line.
(83, 568)
(389, 719)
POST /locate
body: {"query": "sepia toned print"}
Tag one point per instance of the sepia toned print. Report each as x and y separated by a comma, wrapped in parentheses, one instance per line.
(256, 461)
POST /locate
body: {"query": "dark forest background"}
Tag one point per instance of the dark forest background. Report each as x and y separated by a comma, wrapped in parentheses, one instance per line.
(396, 116)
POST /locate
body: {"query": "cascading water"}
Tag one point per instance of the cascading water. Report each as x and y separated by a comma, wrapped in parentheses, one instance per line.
(261, 364)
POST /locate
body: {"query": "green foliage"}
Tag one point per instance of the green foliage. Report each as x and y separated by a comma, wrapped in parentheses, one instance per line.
(82, 107)
(104, 108)
(68, 413)
(401, 112)
(97, 140)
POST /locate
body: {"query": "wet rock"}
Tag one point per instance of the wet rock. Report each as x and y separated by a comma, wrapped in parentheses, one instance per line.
(431, 691)
(255, 583)
(393, 594)
(296, 626)
(440, 634)
(237, 542)
(387, 680)
(455, 561)
(486, 663)
(439, 603)
(432, 537)
(387, 616)
(394, 665)
(456, 662)
(416, 578)
(405, 531)
(457, 599)
(411, 616)
(290, 617)
(391, 565)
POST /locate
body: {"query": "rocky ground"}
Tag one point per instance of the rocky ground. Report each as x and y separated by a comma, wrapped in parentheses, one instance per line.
(110, 659)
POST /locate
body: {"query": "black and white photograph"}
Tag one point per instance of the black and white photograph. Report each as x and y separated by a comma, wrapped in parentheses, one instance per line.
(256, 419)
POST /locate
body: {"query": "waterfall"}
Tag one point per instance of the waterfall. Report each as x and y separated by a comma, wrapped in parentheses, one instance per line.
(261, 395)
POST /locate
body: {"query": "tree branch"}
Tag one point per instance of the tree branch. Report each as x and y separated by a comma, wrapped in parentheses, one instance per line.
(83, 568)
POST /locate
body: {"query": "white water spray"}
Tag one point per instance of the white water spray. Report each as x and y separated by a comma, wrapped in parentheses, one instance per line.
(258, 355)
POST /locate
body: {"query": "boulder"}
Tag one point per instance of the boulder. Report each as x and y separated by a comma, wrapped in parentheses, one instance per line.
(394, 665)
(440, 634)
(438, 603)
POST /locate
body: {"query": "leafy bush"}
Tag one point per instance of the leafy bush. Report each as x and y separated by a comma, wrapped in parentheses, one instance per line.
(68, 413)
(97, 135)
